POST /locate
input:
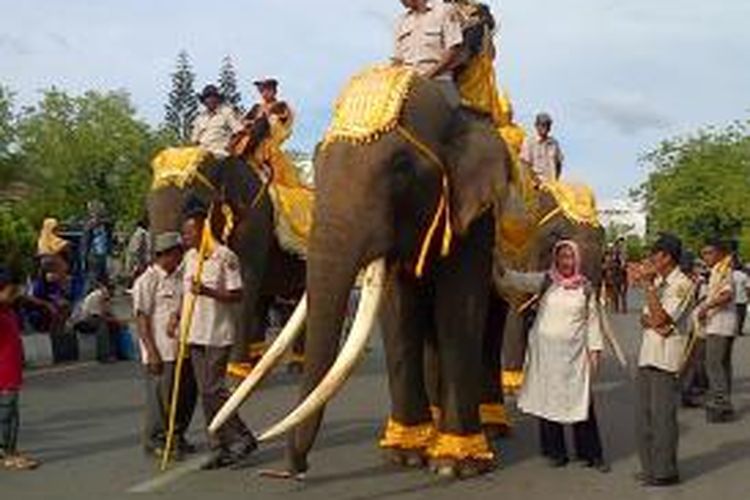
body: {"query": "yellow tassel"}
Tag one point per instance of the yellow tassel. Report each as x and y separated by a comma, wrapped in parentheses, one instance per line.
(493, 414)
(405, 437)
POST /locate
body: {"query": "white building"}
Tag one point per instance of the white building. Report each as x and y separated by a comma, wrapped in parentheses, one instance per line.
(625, 215)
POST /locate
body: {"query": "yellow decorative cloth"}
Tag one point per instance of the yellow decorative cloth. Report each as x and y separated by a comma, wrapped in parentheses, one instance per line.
(177, 166)
(576, 201)
(370, 105)
(493, 414)
(514, 135)
(477, 85)
(239, 370)
(455, 447)
(404, 437)
(49, 243)
(292, 199)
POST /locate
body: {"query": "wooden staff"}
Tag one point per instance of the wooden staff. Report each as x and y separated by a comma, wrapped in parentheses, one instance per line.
(185, 323)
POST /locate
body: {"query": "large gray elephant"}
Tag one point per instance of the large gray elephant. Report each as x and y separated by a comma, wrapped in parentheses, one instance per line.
(376, 201)
(268, 271)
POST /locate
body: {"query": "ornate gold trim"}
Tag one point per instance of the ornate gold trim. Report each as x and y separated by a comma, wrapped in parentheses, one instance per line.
(407, 437)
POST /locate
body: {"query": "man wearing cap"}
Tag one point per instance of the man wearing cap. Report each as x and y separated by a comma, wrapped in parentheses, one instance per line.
(719, 315)
(216, 124)
(429, 39)
(156, 303)
(217, 290)
(542, 153)
(669, 295)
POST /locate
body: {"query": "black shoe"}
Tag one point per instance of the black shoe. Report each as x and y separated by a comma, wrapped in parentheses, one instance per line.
(185, 447)
(243, 456)
(219, 459)
(598, 464)
(663, 481)
(557, 462)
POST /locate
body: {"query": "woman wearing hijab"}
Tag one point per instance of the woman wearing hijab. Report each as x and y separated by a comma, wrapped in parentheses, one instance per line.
(564, 352)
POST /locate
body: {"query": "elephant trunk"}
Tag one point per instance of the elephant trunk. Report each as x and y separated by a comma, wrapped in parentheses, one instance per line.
(337, 254)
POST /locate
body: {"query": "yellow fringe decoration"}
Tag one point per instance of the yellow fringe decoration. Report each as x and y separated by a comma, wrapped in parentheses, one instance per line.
(256, 349)
(493, 414)
(404, 437)
(239, 370)
(511, 381)
(370, 105)
(177, 166)
(452, 446)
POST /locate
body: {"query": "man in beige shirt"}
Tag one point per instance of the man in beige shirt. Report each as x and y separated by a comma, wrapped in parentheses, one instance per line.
(669, 295)
(216, 124)
(429, 38)
(542, 153)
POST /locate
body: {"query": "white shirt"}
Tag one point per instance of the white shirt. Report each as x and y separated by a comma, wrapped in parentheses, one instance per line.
(741, 283)
(423, 38)
(557, 374)
(213, 322)
(721, 321)
(95, 304)
(676, 293)
(213, 131)
(158, 295)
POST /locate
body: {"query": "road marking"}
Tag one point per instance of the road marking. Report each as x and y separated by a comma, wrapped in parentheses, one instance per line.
(58, 369)
(171, 476)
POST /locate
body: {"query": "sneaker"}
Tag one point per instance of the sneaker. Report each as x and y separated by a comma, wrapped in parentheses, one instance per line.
(663, 482)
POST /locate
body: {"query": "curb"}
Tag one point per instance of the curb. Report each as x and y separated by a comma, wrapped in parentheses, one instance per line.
(43, 350)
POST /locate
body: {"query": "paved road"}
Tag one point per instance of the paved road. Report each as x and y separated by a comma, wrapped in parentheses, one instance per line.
(83, 422)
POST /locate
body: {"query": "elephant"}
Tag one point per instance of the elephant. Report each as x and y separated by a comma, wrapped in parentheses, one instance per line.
(380, 203)
(268, 271)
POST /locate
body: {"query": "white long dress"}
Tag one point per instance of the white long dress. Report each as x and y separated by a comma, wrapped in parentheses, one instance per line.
(557, 374)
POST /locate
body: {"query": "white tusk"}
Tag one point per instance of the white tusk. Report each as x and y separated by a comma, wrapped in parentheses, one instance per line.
(372, 293)
(270, 359)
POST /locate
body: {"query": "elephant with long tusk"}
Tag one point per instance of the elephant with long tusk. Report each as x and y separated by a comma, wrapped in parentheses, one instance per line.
(405, 189)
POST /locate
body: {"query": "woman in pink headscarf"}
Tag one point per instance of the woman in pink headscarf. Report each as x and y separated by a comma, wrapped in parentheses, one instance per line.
(563, 353)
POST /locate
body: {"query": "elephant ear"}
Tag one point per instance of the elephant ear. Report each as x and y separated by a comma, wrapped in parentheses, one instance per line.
(478, 164)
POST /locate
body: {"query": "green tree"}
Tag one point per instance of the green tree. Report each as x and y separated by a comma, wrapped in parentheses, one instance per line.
(182, 104)
(228, 85)
(698, 186)
(9, 171)
(90, 147)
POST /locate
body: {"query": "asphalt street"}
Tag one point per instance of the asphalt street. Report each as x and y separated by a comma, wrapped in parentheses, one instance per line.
(83, 422)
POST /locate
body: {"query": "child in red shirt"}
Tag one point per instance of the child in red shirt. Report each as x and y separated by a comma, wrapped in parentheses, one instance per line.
(11, 366)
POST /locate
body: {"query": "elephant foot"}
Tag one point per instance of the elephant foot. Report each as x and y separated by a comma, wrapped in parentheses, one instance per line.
(461, 469)
(412, 459)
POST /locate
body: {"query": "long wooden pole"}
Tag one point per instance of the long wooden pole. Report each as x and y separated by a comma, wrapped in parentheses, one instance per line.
(185, 323)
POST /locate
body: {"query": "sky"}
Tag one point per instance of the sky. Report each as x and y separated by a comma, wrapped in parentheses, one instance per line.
(618, 76)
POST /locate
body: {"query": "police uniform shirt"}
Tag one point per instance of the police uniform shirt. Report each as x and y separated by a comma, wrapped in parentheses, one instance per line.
(213, 131)
(666, 353)
(543, 156)
(158, 295)
(213, 322)
(423, 38)
(721, 321)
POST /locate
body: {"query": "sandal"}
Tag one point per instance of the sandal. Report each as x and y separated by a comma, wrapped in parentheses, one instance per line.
(20, 463)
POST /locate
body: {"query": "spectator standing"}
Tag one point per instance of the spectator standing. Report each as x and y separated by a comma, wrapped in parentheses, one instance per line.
(11, 377)
(741, 284)
(719, 314)
(669, 295)
(138, 253)
(157, 297)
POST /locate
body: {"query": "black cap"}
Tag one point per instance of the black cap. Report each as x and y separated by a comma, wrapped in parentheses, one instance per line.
(669, 244)
(543, 119)
(210, 91)
(266, 82)
(194, 208)
(718, 243)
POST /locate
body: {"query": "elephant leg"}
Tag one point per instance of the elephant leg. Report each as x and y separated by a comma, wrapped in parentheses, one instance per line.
(432, 373)
(405, 321)
(492, 409)
(461, 283)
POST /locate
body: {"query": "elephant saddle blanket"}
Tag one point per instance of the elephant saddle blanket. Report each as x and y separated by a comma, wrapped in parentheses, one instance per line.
(177, 166)
(370, 105)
